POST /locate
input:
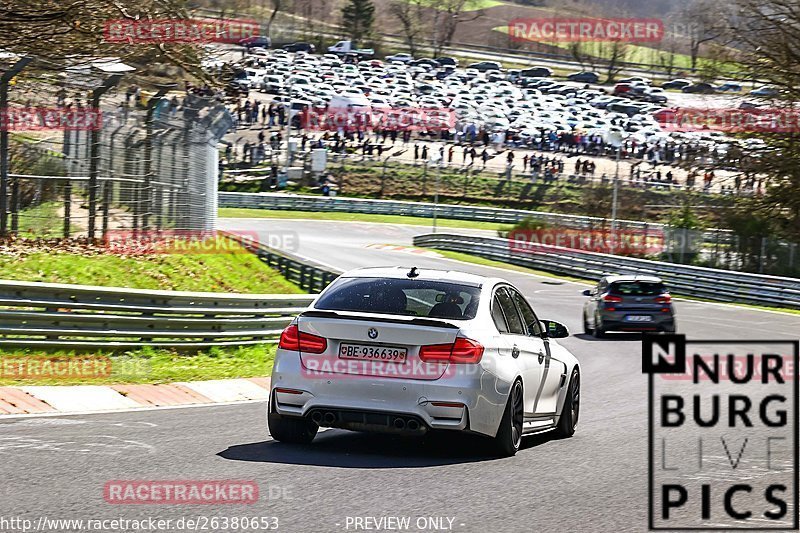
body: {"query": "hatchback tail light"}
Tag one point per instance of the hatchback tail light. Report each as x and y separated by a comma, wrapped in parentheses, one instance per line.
(664, 299)
(462, 351)
(612, 299)
(294, 339)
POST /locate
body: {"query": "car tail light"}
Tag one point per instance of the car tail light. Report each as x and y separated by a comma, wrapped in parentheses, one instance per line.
(612, 299)
(462, 351)
(664, 299)
(294, 339)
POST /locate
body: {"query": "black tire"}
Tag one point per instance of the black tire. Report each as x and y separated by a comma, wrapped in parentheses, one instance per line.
(586, 329)
(509, 434)
(291, 430)
(571, 410)
(598, 330)
(671, 329)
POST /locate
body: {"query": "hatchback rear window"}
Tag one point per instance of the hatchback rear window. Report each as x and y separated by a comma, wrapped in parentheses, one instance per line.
(421, 298)
(637, 288)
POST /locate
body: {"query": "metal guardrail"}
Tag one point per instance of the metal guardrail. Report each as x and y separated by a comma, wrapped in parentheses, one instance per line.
(296, 202)
(308, 276)
(75, 316)
(707, 283)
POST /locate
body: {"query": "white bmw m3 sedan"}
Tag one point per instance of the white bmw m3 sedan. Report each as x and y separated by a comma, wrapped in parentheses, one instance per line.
(409, 351)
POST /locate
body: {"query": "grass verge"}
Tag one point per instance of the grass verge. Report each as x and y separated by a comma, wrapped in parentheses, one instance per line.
(232, 272)
(20, 367)
(236, 212)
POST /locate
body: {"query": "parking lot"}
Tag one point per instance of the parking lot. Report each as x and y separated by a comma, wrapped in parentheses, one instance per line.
(495, 110)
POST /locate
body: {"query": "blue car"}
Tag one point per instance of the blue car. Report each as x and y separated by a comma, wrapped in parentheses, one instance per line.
(730, 87)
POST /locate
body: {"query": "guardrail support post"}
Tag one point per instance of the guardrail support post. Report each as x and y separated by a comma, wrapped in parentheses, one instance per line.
(15, 205)
(94, 154)
(67, 208)
(5, 79)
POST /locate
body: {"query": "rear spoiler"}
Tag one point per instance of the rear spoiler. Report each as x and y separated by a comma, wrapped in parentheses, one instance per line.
(413, 321)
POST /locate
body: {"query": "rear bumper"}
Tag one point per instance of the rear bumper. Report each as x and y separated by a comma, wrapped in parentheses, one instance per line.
(615, 321)
(466, 398)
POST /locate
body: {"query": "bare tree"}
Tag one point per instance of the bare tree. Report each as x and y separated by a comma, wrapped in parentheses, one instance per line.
(412, 17)
(701, 22)
(447, 16)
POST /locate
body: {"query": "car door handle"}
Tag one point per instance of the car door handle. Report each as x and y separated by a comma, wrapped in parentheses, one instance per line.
(541, 356)
(515, 351)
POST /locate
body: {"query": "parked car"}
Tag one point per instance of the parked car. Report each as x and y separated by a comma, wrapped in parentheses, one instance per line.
(485, 66)
(656, 95)
(764, 91)
(447, 61)
(699, 88)
(400, 58)
(379, 341)
(679, 84)
(584, 77)
(730, 87)
(628, 303)
(536, 72)
(348, 48)
(622, 88)
(424, 62)
(258, 41)
(300, 47)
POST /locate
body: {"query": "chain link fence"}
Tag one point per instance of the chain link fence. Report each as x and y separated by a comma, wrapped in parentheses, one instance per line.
(149, 166)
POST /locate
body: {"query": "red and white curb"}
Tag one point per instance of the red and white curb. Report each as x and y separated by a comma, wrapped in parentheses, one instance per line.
(85, 398)
(404, 249)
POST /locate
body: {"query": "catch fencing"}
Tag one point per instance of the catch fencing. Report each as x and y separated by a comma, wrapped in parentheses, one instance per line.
(151, 164)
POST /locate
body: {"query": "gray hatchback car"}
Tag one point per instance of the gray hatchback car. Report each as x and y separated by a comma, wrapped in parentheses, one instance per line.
(628, 303)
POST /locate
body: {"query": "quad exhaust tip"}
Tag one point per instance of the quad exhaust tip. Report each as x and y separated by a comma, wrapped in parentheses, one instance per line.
(317, 417)
(399, 423)
(329, 418)
(413, 425)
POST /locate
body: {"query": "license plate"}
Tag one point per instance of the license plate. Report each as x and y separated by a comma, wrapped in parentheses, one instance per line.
(370, 352)
(639, 318)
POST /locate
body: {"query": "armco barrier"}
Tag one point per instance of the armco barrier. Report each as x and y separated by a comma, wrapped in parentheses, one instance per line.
(73, 316)
(306, 275)
(711, 284)
(296, 202)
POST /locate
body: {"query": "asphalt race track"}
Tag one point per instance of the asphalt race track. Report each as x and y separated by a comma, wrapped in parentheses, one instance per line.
(594, 482)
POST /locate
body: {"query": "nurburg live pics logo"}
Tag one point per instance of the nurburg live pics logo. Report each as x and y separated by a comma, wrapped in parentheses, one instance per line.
(722, 434)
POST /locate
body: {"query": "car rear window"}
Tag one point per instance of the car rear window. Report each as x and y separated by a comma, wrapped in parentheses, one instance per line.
(637, 288)
(422, 298)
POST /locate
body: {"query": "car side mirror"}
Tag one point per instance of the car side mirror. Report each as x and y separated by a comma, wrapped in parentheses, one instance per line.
(554, 330)
(587, 292)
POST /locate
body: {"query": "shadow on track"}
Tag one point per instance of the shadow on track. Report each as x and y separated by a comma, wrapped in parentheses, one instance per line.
(345, 449)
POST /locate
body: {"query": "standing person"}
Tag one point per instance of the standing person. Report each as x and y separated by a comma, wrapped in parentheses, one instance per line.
(416, 153)
(484, 157)
(450, 153)
(525, 161)
(425, 152)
